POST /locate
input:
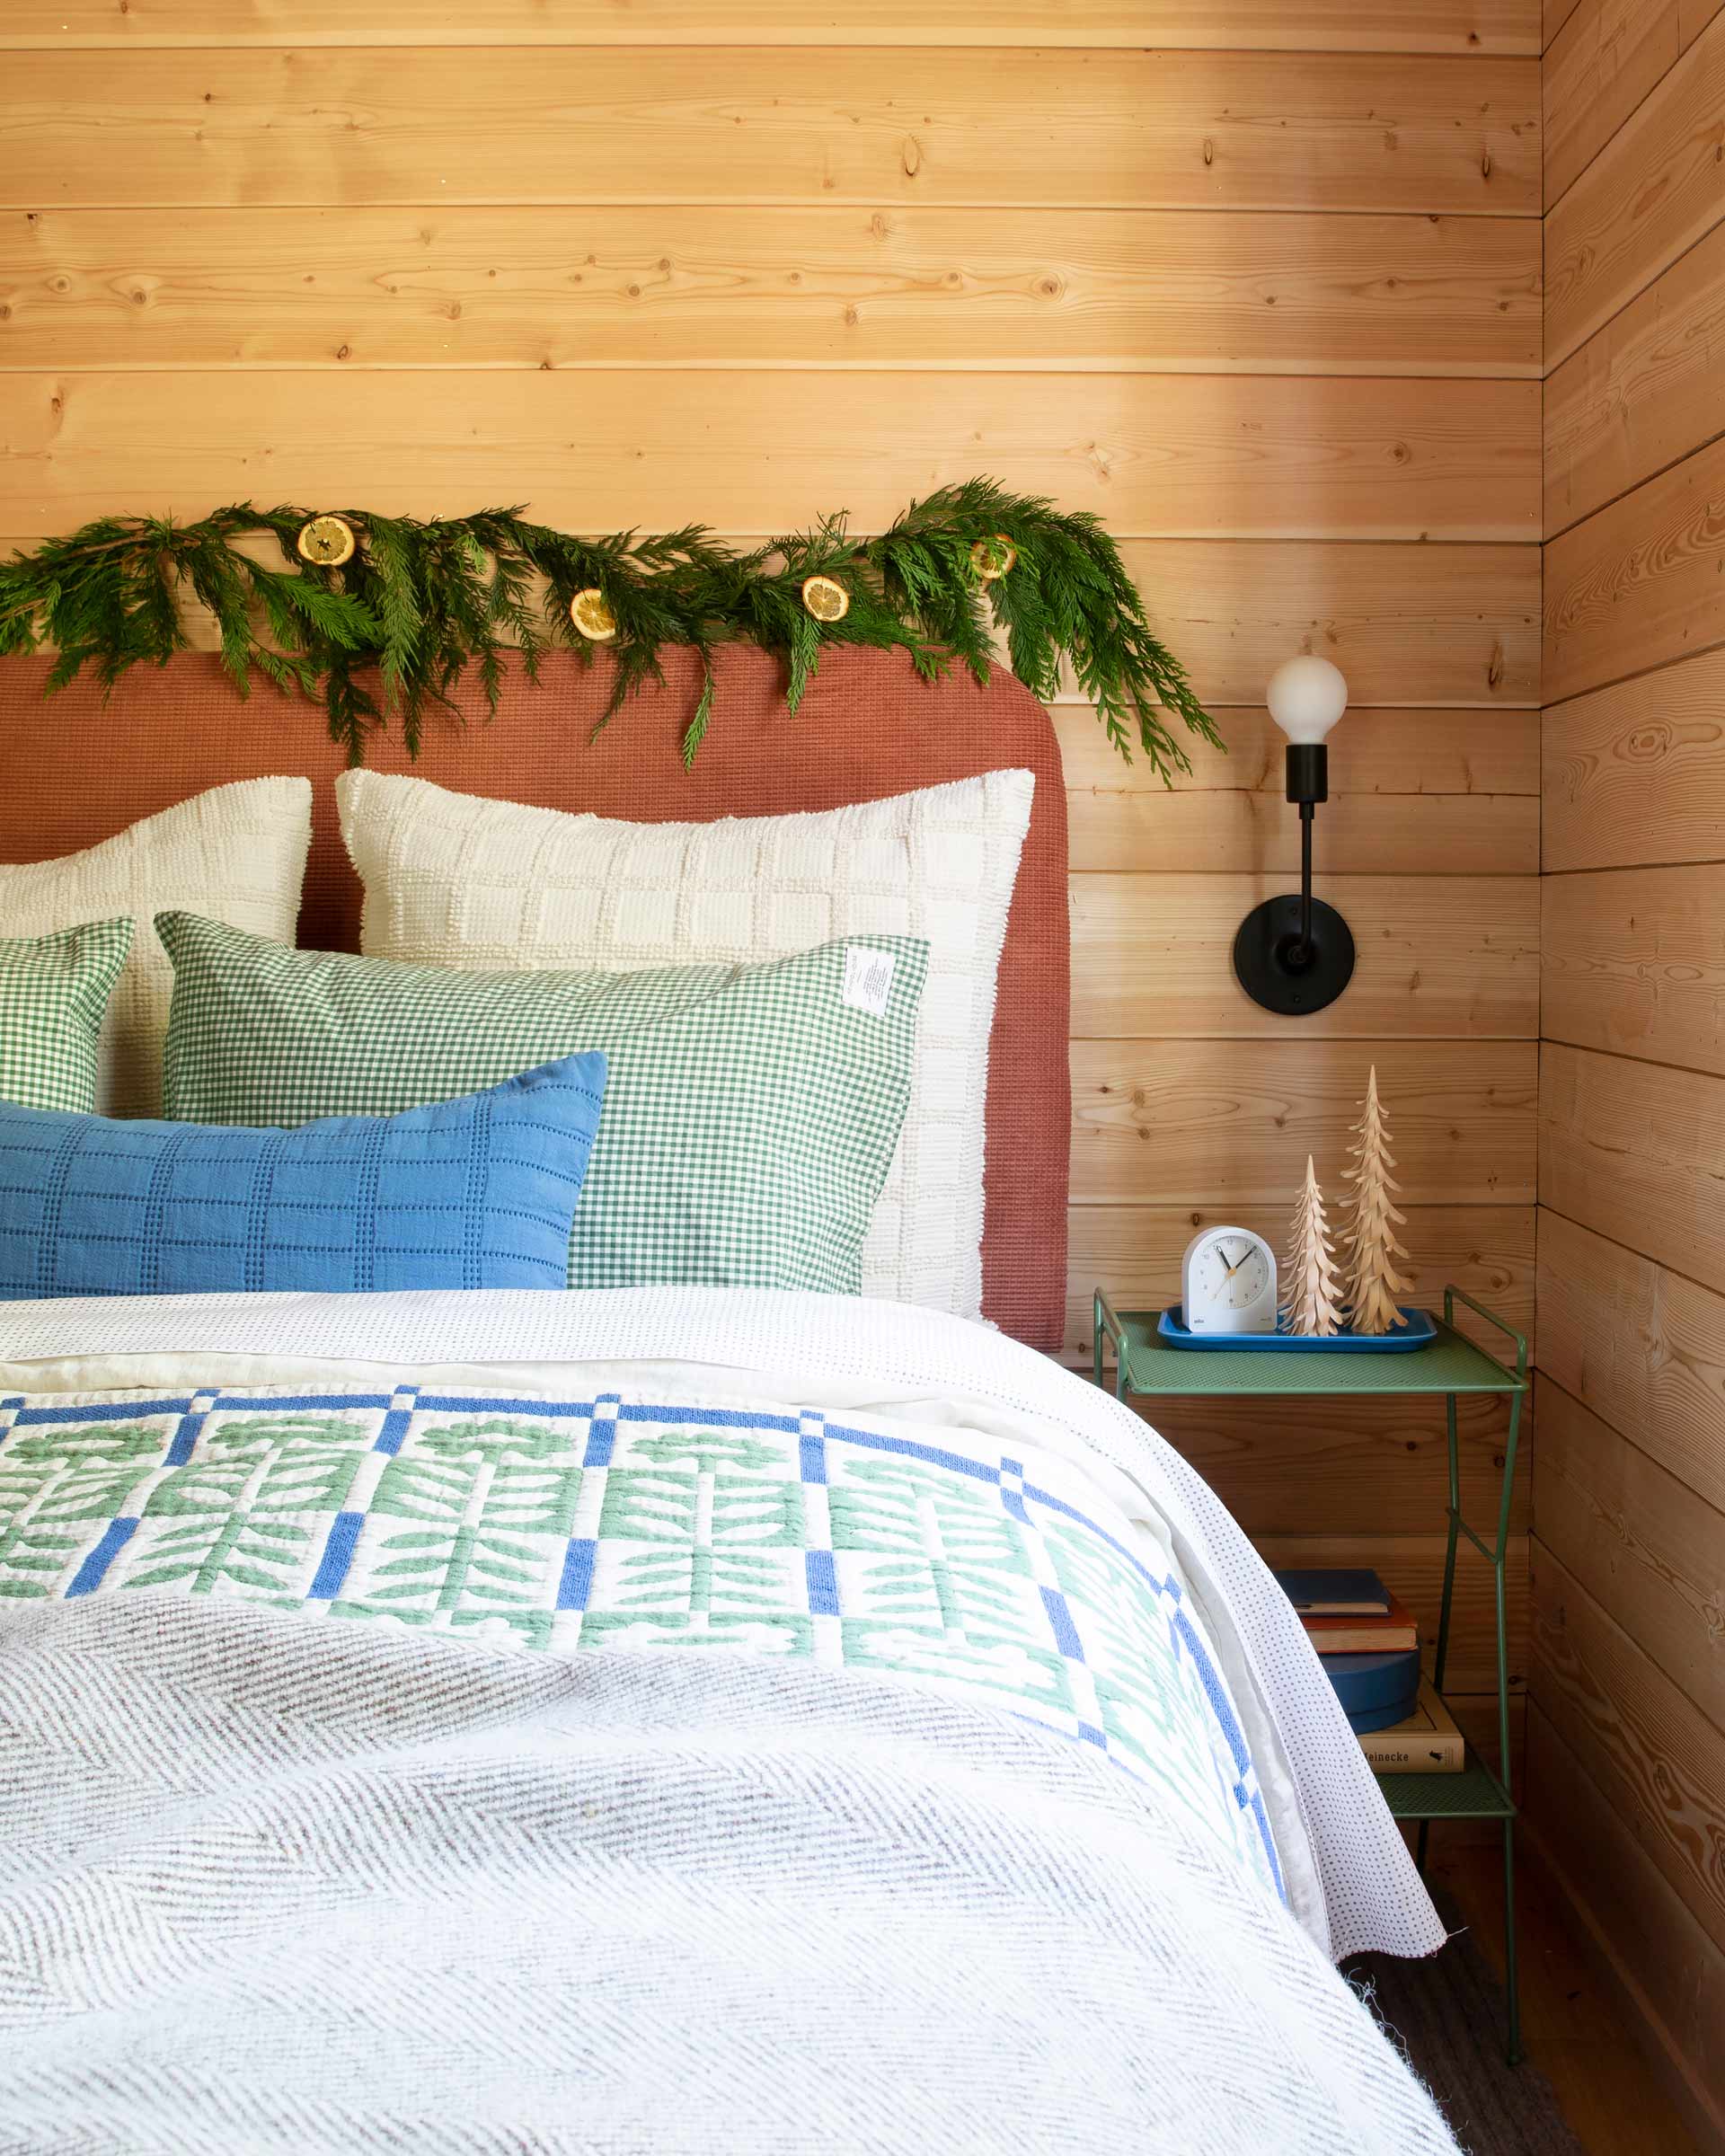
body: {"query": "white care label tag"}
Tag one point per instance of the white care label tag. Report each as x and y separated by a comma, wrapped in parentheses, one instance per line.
(868, 978)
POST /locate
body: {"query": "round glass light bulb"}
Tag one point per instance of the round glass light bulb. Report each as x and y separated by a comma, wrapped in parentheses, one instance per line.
(1306, 696)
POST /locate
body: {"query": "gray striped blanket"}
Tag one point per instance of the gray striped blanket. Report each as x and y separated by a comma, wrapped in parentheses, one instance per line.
(272, 1885)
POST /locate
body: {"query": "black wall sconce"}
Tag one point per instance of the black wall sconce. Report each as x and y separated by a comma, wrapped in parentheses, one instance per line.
(1296, 955)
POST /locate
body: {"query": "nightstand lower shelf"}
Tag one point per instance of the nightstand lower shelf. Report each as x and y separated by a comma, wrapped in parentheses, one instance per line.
(1475, 1793)
(1146, 1367)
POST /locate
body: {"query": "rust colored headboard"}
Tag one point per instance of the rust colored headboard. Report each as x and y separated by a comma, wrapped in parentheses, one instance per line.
(76, 770)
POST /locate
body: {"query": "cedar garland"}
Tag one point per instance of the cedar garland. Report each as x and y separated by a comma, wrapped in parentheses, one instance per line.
(421, 602)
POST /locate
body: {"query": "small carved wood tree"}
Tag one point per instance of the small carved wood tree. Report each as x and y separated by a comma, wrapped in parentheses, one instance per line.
(1373, 1282)
(1311, 1300)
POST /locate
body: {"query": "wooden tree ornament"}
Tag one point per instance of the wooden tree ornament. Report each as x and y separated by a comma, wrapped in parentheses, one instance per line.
(1373, 1284)
(1310, 1299)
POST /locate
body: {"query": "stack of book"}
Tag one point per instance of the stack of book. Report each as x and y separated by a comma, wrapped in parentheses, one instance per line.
(1369, 1646)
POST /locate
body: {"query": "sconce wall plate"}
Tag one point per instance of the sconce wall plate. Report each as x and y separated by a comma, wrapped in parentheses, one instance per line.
(1277, 970)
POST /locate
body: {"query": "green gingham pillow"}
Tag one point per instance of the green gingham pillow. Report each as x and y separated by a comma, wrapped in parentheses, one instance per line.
(54, 993)
(750, 1111)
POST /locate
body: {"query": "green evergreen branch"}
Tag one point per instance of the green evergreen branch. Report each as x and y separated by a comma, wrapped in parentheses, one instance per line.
(421, 603)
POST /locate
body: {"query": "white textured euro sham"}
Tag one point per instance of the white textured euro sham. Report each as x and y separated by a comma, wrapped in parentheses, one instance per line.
(452, 880)
(235, 855)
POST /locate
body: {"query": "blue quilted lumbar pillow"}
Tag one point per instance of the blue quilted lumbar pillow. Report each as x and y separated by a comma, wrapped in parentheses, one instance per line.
(477, 1192)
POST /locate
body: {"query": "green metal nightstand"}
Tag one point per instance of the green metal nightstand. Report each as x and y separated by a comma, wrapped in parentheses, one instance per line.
(1146, 1368)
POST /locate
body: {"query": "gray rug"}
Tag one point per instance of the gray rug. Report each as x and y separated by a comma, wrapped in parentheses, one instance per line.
(1446, 2015)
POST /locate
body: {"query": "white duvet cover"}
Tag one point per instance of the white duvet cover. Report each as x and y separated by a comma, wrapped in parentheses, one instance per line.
(942, 1570)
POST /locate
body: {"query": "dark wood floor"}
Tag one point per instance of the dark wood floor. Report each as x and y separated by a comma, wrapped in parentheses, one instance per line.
(1573, 2024)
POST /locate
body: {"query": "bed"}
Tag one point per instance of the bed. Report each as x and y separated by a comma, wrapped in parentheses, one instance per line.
(361, 1784)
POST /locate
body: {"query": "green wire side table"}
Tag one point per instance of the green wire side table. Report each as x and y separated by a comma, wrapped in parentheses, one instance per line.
(1146, 1368)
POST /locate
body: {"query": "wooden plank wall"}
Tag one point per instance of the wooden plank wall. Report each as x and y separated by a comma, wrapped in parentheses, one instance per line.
(1626, 1718)
(1258, 280)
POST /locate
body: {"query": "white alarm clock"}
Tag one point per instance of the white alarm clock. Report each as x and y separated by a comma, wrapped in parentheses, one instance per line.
(1228, 1282)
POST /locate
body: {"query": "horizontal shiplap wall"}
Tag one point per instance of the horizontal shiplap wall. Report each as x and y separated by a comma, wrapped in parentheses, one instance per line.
(433, 127)
(1193, 291)
(1627, 1714)
(1435, 26)
(1259, 283)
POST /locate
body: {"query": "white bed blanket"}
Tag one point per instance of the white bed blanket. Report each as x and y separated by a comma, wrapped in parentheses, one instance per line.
(274, 1885)
(1348, 1874)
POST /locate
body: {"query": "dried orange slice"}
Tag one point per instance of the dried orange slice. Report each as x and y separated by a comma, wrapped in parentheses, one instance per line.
(590, 611)
(326, 540)
(993, 557)
(826, 599)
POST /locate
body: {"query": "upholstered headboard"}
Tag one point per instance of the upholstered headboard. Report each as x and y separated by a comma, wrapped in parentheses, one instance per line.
(77, 770)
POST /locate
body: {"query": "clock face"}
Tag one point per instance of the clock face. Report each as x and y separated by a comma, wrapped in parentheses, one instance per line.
(1230, 1272)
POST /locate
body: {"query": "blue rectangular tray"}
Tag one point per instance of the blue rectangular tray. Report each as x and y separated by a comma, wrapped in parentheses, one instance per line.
(1420, 1332)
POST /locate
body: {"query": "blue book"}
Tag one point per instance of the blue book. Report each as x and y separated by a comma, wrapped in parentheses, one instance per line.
(1339, 1593)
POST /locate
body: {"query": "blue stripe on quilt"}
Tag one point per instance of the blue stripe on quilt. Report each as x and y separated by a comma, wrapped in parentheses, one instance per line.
(1228, 1722)
(876, 1441)
(719, 1418)
(554, 1410)
(576, 1584)
(823, 1583)
(398, 1420)
(337, 1556)
(1065, 1633)
(123, 1411)
(602, 1438)
(191, 1427)
(93, 1571)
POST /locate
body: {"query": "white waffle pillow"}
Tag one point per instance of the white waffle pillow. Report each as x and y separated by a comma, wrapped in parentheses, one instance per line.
(452, 880)
(236, 853)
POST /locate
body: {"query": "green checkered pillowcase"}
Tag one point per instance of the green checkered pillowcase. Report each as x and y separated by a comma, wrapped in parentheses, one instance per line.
(54, 993)
(750, 1111)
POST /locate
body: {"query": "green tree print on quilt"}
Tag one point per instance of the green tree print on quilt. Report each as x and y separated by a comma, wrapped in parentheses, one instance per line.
(946, 1581)
(56, 1485)
(484, 1503)
(1131, 1623)
(994, 1574)
(695, 1533)
(235, 1513)
(949, 1556)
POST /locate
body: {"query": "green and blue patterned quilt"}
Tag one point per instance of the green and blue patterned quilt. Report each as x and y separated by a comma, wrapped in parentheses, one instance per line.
(994, 1573)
